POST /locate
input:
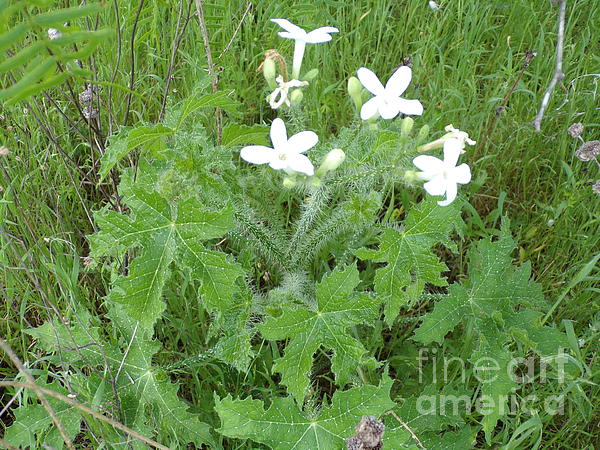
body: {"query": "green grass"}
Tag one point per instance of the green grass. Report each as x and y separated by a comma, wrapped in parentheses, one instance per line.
(465, 58)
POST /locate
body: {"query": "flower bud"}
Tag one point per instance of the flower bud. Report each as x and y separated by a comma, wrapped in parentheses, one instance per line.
(296, 96)
(410, 176)
(310, 75)
(406, 126)
(332, 161)
(423, 133)
(289, 182)
(355, 90)
(270, 72)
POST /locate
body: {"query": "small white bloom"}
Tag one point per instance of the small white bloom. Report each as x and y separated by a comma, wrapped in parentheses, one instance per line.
(280, 95)
(53, 33)
(286, 154)
(433, 5)
(301, 38)
(452, 133)
(387, 101)
(443, 176)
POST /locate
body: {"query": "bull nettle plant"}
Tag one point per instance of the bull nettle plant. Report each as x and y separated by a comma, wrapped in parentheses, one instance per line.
(301, 272)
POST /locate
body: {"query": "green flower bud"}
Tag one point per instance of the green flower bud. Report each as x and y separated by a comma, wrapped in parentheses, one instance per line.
(406, 126)
(289, 182)
(423, 133)
(355, 90)
(332, 161)
(410, 176)
(270, 72)
(296, 96)
(310, 75)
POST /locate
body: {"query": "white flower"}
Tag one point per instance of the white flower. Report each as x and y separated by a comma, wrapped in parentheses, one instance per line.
(452, 133)
(282, 92)
(443, 176)
(433, 5)
(387, 101)
(286, 153)
(302, 38)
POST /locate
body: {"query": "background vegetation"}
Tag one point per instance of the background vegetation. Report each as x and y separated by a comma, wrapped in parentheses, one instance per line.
(465, 58)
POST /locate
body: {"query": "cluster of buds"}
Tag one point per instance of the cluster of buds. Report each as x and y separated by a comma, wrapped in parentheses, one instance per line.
(588, 151)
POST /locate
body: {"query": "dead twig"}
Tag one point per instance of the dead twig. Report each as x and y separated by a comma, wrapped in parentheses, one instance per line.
(236, 30)
(558, 73)
(406, 427)
(39, 391)
(211, 67)
(86, 410)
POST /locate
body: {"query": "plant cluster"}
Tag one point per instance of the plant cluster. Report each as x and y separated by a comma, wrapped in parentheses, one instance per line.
(305, 272)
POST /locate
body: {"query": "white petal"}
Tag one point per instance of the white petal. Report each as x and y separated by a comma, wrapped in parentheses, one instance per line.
(278, 163)
(411, 107)
(278, 134)
(287, 35)
(399, 81)
(450, 194)
(289, 26)
(452, 150)
(326, 30)
(257, 154)
(462, 174)
(389, 108)
(301, 142)
(428, 163)
(370, 81)
(437, 186)
(369, 109)
(301, 164)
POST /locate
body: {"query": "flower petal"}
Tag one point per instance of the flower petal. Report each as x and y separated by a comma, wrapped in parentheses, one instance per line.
(257, 154)
(437, 186)
(411, 107)
(278, 134)
(452, 150)
(301, 164)
(320, 35)
(389, 108)
(288, 35)
(399, 81)
(301, 142)
(369, 109)
(289, 26)
(451, 192)
(429, 163)
(370, 81)
(462, 174)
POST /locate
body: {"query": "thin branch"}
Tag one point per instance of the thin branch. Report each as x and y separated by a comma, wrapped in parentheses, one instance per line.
(236, 30)
(407, 428)
(132, 57)
(86, 410)
(211, 67)
(529, 55)
(38, 390)
(558, 73)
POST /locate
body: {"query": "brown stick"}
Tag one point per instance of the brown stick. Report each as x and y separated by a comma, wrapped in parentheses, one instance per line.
(211, 67)
(558, 73)
(39, 391)
(86, 410)
(406, 427)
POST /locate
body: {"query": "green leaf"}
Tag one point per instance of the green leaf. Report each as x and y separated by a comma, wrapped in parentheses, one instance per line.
(147, 398)
(199, 101)
(494, 286)
(410, 260)
(338, 307)
(235, 134)
(283, 426)
(113, 153)
(151, 138)
(163, 230)
(60, 16)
